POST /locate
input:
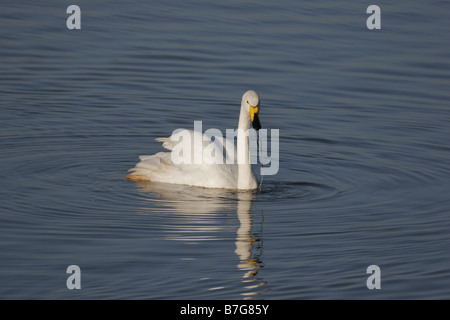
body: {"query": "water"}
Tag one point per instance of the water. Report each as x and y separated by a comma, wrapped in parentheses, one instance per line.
(364, 155)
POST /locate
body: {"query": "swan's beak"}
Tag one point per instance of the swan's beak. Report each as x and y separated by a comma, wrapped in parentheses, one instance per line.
(254, 117)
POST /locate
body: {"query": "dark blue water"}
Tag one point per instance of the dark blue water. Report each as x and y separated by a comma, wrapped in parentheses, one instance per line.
(364, 173)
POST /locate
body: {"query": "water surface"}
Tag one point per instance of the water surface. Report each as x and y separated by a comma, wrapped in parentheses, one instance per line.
(364, 155)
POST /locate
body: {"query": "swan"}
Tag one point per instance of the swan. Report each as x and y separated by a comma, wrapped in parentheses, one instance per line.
(238, 175)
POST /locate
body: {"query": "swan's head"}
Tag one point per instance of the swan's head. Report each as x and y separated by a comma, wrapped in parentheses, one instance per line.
(250, 101)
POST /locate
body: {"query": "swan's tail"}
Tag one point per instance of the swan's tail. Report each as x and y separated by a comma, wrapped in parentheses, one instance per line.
(149, 166)
(134, 176)
(167, 143)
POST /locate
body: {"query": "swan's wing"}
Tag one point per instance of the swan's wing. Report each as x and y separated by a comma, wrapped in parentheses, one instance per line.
(160, 167)
(214, 147)
(209, 150)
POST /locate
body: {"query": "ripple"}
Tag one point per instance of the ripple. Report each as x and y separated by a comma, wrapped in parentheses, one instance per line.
(278, 191)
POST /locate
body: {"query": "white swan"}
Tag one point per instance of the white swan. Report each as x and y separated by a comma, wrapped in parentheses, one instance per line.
(160, 167)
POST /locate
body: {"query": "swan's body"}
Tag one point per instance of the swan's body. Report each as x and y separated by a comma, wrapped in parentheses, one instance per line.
(238, 175)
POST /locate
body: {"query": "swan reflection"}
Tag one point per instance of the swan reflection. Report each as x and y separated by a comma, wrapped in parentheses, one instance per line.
(198, 214)
(248, 245)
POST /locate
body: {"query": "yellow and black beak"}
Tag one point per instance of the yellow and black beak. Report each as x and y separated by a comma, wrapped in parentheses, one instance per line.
(254, 117)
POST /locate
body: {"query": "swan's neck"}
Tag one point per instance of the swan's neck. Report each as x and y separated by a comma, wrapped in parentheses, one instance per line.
(246, 179)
